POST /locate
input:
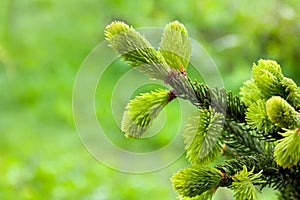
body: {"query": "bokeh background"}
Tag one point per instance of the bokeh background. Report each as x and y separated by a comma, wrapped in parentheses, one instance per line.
(44, 42)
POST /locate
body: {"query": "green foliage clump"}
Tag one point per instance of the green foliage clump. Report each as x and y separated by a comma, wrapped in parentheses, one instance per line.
(203, 144)
(281, 113)
(197, 181)
(136, 50)
(175, 45)
(243, 184)
(141, 111)
(247, 130)
(287, 151)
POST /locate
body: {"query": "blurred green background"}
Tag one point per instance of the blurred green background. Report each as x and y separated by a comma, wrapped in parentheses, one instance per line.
(44, 42)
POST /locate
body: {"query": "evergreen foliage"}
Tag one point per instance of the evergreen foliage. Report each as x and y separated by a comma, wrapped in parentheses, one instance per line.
(196, 181)
(141, 111)
(136, 50)
(287, 151)
(175, 45)
(203, 144)
(257, 132)
(243, 184)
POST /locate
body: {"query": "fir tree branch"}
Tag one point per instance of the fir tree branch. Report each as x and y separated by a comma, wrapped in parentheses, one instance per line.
(224, 102)
(136, 50)
(182, 87)
(267, 76)
(281, 113)
(175, 45)
(257, 117)
(287, 151)
(273, 175)
(250, 93)
(202, 137)
(195, 181)
(269, 103)
(243, 184)
(141, 111)
(269, 81)
(242, 140)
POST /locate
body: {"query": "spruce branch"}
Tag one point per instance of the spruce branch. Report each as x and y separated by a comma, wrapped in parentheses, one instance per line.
(292, 90)
(257, 117)
(175, 45)
(243, 184)
(224, 102)
(242, 140)
(271, 82)
(287, 151)
(250, 93)
(259, 131)
(136, 50)
(267, 76)
(141, 111)
(196, 181)
(181, 86)
(202, 137)
(273, 175)
(285, 180)
(281, 113)
(270, 66)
